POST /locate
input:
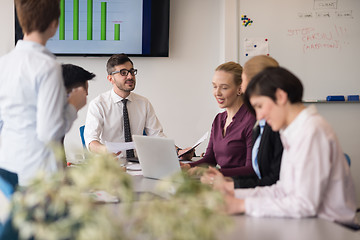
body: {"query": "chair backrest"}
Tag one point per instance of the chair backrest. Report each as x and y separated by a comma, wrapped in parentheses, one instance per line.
(348, 159)
(8, 184)
(82, 128)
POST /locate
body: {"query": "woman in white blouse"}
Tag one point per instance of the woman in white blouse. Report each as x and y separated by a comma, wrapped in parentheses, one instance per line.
(315, 178)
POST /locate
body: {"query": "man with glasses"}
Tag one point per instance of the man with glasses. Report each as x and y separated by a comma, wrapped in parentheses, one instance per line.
(117, 114)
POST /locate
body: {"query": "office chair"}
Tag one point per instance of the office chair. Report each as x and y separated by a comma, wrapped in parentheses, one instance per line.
(8, 184)
(349, 162)
(82, 135)
(348, 159)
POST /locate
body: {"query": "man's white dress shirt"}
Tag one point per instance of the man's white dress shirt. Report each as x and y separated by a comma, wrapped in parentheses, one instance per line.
(105, 122)
(314, 179)
(33, 110)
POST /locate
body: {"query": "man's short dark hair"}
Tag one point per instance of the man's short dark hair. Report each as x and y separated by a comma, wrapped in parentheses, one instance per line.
(36, 15)
(75, 76)
(117, 59)
(269, 80)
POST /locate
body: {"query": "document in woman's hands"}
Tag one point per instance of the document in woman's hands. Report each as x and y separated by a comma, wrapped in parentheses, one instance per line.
(203, 138)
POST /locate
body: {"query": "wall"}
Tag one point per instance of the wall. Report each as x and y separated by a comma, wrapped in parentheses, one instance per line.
(186, 74)
(196, 48)
(179, 87)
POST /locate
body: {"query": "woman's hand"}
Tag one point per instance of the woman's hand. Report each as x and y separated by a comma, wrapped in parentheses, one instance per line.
(196, 171)
(188, 156)
(192, 171)
(234, 205)
(225, 185)
(215, 178)
(209, 176)
(185, 166)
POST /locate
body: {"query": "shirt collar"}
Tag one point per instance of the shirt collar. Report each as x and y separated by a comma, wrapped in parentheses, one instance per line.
(291, 132)
(116, 98)
(27, 45)
(262, 122)
(239, 115)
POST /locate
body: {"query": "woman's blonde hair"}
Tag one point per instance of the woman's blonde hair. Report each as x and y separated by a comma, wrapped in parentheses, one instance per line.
(234, 68)
(257, 64)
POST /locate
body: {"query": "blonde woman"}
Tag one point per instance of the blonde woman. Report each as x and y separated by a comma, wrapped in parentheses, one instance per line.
(267, 149)
(230, 140)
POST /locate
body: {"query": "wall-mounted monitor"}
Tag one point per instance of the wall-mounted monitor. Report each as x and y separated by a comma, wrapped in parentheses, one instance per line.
(106, 27)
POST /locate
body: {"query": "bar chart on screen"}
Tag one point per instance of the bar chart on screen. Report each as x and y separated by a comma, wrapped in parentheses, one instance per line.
(102, 25)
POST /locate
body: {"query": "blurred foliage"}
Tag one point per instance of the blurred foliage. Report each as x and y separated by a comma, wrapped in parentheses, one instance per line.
(60, 206)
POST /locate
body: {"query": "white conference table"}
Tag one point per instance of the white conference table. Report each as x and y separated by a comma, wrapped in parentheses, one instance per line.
(250, 228)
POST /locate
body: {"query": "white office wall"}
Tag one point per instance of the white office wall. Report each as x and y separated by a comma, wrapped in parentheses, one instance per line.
(179, 86)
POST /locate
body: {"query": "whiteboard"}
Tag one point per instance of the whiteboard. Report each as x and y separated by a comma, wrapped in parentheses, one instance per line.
(317, 40)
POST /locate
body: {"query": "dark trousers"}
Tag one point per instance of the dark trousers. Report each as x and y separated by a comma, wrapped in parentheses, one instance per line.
(9, 232)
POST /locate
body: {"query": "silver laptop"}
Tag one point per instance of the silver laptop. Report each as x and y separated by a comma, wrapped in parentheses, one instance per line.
(157, 156)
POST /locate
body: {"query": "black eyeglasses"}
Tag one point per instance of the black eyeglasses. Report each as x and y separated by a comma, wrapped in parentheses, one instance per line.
(125, 72)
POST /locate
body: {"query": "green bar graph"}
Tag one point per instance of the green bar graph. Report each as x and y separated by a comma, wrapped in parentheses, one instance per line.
(63, 25)
(62, 21)
(116, 31)
(76, 20)
(89, 19)
(103, 20)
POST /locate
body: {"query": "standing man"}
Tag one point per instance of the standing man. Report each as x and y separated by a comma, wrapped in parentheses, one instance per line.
(105, 119)
(34, 109)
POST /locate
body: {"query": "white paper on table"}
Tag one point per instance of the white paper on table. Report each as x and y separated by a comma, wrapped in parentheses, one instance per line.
(133, 167)
(135, 173)
(116, 147)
